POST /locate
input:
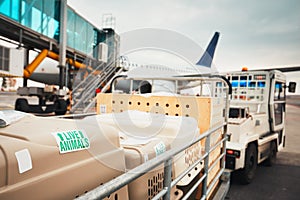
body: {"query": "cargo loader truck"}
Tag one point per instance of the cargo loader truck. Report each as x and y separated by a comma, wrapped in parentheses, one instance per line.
(256, 124)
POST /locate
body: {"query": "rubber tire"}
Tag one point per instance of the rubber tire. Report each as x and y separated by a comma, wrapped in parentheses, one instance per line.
(22, 105)
(247, 173)
(271, 160)
(60, 107)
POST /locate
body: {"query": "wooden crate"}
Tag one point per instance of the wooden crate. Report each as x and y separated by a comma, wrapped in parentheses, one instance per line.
(196, 107)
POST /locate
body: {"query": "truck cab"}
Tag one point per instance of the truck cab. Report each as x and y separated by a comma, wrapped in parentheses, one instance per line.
(256, 123)
(236, 112)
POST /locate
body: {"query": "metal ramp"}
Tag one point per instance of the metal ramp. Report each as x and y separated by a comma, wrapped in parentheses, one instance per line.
(84, 93)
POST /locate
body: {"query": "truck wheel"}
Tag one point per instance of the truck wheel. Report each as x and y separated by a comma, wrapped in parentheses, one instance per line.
(247, 174)
(60, 107)
(271, 160)
(22, 105)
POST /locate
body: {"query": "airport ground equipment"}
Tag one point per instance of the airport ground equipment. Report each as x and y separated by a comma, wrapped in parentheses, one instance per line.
(193, 168)
(256, 124)
(82, 80)
(85, 45)
(49, 100)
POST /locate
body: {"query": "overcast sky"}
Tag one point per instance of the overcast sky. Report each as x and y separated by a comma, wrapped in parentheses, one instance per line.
(254, 33)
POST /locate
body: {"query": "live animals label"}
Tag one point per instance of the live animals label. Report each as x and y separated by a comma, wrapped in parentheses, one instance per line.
(73, 140)
(160, 148)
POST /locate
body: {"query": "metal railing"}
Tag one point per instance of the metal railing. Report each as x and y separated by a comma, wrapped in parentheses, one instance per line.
(84, 92)
(166, 158)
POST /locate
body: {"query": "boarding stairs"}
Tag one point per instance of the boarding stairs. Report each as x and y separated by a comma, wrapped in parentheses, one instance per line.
(84, 93)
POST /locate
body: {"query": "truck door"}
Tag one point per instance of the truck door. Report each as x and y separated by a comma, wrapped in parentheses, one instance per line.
(277, 107)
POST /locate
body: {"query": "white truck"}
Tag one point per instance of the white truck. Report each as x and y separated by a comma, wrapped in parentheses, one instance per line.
(256, 124)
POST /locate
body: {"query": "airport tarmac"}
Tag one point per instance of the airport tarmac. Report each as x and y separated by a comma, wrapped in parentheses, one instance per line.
(8, 99)
(278, 182)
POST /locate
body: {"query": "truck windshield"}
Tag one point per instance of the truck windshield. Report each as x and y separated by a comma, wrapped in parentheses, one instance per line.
(248, 87)
(237, 113)
(234, 113)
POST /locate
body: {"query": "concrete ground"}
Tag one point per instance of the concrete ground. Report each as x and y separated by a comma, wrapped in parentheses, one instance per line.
(8, 99)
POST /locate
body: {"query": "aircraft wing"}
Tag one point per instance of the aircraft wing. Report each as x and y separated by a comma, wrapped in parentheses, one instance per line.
(282, 69)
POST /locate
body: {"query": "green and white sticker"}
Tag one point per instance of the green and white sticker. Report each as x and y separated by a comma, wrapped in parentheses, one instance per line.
(102, 109)
(160, 148)
(73, 140)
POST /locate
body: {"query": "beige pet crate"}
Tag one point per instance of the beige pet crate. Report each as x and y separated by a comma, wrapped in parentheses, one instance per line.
(32, 167)
(143, 137)
(147, 186)
(208, 111)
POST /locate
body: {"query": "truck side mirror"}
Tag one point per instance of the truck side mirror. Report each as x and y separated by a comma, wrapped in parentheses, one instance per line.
(292, 87)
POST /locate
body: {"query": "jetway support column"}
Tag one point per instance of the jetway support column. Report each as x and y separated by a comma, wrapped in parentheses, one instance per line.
(26, 63)
(62, 43)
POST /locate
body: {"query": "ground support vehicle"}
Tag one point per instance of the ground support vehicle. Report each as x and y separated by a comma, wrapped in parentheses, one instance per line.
(256, 124)
(50, 100)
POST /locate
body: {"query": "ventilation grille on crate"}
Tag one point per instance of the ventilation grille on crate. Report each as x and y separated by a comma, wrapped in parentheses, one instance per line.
(155, 185)
(192, 154)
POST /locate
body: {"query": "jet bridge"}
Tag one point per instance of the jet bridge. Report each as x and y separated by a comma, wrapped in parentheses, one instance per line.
(36, 25)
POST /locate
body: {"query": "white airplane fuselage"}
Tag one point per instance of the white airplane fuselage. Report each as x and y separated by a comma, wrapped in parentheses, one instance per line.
(48, 73)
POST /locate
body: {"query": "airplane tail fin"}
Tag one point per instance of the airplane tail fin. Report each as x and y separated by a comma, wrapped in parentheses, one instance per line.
(208, 55)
